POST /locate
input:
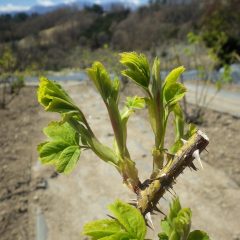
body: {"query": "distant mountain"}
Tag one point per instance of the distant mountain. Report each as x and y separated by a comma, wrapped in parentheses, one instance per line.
(106, 4)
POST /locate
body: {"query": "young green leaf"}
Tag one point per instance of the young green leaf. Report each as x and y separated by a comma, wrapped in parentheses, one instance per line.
(62, 149)
(128, 224)
(179, 121)
(174, 75)
(173, 93)
(130, 218)
(156, 78)
(198, 235)
(102, 228)
(101, 79)
(53, 98)
(182, 222)
(135, 102)
(138, 68)
(132, 104)
(68, 159)
(177, 224)
(175, 208)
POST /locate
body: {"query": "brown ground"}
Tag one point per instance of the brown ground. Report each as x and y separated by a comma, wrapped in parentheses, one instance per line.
(66, 202)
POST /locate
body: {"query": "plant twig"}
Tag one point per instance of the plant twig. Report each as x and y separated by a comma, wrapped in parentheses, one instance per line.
(150, 195)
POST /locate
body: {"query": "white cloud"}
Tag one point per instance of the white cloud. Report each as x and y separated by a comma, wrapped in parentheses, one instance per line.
(136, 2)
(131, 2)
(45, 3)
(69, 1)
(13, 8)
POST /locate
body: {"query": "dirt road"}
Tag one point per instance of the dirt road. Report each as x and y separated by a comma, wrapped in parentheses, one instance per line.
(58, 206)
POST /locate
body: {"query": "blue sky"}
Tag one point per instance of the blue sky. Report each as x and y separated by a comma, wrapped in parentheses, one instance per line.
(23, 5)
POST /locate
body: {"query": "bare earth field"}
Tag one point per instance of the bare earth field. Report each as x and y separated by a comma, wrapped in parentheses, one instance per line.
(37, 203)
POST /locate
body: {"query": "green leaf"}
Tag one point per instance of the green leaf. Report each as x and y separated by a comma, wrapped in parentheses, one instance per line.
(177, 224)
(62, 149)
(68, 159)
(179, 121)
(174, 75)
(174, 236)
(182, 222)
(101, 79)
(198, 235)
(128, 225)
(135, 102)
(102, 228)
(118, 236)
(138, 68)
(173, 93)
(130, 218)
(132, 104)
(50, 151)
(175, 207)
(165, 227)
(61, 132)
(53, 97)
(156, 79)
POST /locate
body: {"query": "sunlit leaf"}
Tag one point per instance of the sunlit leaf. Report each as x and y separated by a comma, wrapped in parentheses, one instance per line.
(138, 68)
(156, 78)
(68, 159)
(53, 97)
(173, 93)
(101, 79)
(128, 224)
(174, 75)
(102, 228)
(62, 149)
(130, 218)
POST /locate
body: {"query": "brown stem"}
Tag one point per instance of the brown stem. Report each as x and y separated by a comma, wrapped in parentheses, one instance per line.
(150, 195)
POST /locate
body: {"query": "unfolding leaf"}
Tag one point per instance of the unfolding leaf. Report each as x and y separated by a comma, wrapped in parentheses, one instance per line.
(130, 218)
(101, 79)
(198, 235)
(156, 79)
(135, 102)
(53, 97)
(165, 227)
(132, 104)
(175, 207)
(182, 222)
(179, 121)
(138, 68)
(174, 75)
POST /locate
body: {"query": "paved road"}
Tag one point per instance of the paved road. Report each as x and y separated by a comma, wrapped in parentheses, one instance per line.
(223, 101)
